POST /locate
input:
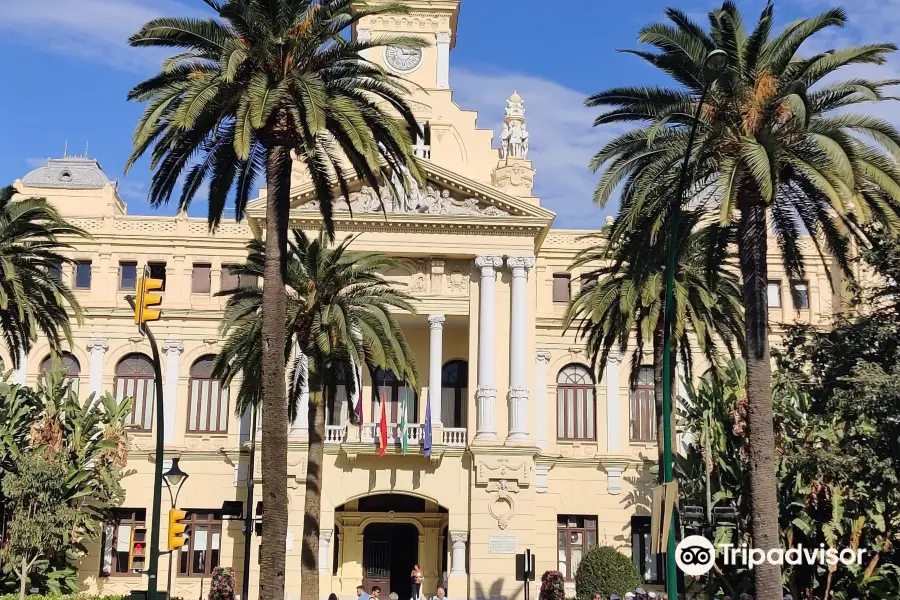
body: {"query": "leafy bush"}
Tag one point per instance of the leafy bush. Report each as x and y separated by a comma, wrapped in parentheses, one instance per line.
(222, 585)
(553, 586)
(606, 570)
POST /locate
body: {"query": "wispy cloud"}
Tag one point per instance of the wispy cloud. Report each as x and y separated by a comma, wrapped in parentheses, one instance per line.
(35, 163)
(97, 30)
(562, 137)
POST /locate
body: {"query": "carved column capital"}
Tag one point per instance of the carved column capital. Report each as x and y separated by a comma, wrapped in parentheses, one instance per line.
(437, 321)
(173, 347)
(101, 344)
(488, 263)
(443, 37)
(459, 537)
(542, 356)
(520, 263)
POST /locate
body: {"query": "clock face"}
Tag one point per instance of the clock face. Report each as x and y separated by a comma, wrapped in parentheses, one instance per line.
(402, 59)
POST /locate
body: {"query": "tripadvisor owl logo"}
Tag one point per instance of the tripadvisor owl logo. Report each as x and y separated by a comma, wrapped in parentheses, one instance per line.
(695, 555)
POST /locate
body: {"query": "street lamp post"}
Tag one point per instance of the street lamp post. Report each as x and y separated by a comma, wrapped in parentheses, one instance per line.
(248, 515)
(174, 477)
(714, 64)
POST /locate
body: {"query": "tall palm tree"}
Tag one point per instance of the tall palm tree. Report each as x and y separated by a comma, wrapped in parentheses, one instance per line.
(624, 307)
(261, 80)
(774, 141)
(339, 317)
(33, 298)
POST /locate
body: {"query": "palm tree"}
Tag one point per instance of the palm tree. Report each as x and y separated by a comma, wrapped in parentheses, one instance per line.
(625, 302)
(33, 298)
(263, 80)
(774, 141)
(339, 318)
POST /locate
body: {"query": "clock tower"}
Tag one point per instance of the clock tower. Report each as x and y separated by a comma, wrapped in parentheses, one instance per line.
(432, 20)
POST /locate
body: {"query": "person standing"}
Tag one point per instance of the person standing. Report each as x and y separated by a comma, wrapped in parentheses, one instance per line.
(440, 595)
(361, 593)
(416, 577)
(375, 591)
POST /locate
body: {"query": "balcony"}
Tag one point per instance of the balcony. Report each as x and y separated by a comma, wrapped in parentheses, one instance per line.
(364, 438)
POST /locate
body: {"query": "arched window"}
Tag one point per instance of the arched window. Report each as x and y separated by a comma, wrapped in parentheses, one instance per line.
(575, 404)
(207, 399)
(454, 393)
(68, 364)
(134, 379)
(394, 391)
(643, 407)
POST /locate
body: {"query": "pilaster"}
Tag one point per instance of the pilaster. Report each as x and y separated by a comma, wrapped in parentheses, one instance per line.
(97, 347)
(172, 349)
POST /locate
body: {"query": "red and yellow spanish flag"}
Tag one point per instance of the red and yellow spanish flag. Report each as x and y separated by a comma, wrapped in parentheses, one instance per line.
(382, 427)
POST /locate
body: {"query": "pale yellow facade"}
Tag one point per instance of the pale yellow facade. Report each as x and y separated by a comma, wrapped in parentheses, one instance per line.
(483, 265)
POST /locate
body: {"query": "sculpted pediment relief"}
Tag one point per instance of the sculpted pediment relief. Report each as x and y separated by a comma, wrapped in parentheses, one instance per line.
(428, 200)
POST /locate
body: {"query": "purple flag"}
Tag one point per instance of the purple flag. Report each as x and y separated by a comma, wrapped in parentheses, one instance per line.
(428, 427)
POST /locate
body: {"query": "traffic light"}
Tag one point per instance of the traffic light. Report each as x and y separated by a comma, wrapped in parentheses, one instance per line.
(177, 538)
(145, 299)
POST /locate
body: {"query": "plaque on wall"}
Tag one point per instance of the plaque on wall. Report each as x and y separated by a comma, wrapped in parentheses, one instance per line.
(502, 544)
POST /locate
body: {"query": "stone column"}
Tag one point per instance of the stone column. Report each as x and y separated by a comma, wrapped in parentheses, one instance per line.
(613, 427)
(21, 371)
(300, 426)
(443, 60)
(542, 360)
(435, 364)
(458, 560)
(518, 365)
(324, 554)
(172, 350)
(97, 347)
(486, 394)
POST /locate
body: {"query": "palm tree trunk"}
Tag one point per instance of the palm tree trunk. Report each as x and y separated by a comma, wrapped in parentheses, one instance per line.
(274, 393)
(312, 505)
(752, 245)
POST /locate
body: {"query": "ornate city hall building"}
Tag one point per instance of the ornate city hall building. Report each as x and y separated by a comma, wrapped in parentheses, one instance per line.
(531, 448)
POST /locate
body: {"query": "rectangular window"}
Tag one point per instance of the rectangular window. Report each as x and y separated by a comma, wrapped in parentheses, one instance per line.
(124, 543)
(127, 275)
(562, 285)
(773, 292)
(650, 566)
(55, 271)
(158, 271)
(643, 408)
(587, 281)
(575, 535)
(231, 281)
(800, 293)
(83, 275)
(201, 281)
(202, 552)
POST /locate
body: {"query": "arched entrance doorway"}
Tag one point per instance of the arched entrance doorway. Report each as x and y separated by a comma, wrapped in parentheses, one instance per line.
(381, 537)
(389, 552)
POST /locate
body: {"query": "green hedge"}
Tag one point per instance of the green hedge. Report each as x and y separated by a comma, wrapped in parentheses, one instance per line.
(605, 570)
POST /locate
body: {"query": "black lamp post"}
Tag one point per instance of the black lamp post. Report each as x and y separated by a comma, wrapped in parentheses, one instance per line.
(174, 477)
(714, 64)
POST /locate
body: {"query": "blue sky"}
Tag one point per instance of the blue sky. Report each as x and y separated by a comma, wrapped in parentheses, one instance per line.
(67, 70)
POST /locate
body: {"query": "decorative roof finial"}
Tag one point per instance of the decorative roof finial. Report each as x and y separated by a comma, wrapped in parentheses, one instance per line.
(514, 137)
(66, 149)
(86, 149)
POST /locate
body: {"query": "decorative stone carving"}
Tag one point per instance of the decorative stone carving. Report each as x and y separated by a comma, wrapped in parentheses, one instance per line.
(429, 200)
(514, 139)
(457, 280)
(418, 283)
(514, 472)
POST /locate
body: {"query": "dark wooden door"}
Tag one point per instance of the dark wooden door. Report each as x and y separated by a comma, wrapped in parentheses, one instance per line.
(377, 559)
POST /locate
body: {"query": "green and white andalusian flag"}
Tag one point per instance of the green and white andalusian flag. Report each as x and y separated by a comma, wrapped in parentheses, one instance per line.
(403, 432)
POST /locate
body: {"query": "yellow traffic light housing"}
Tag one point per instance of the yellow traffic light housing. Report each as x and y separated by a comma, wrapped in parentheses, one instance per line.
(177, 538)
(145, 299)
